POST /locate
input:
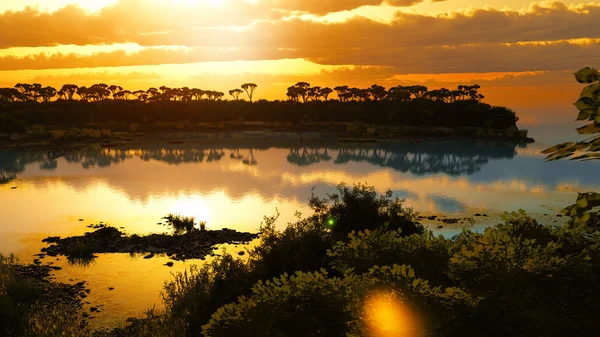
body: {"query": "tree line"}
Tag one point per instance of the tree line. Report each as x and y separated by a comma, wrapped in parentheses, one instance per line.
(24, 92)
(300, 92)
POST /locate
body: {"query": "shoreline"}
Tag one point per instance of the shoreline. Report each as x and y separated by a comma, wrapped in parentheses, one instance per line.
(196, 134)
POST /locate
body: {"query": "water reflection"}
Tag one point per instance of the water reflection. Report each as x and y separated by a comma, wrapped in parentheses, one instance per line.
(234, 183)
(451, 158)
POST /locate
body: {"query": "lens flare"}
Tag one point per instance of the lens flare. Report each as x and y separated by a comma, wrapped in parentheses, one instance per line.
(386, 316)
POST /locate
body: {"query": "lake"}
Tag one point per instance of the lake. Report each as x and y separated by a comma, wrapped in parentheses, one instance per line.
(233, 183)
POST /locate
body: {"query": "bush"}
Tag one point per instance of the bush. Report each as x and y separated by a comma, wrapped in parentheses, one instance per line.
(313, 304)
(302, 246)
(193, 296)
(428, 255)
(360, 208)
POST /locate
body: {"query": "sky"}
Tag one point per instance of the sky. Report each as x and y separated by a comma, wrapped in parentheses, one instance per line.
(522, 53)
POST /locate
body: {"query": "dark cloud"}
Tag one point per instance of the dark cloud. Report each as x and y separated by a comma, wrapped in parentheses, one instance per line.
(132, 21)
(494, 57)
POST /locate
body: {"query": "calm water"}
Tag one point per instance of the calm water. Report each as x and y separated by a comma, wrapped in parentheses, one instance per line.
(234, 183)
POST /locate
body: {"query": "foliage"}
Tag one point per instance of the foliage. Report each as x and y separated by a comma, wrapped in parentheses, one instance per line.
(302, 246)
(359, 208)
(180, 223)
(55, 321)
(519, 279)
(588, 105)
(428, 255)
(193, 296)
(411, 105)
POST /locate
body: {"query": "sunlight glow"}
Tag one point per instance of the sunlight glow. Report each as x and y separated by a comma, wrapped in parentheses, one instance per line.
(386, 316)
(195, 207)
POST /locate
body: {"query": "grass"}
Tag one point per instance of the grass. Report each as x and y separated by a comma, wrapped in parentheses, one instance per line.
(181, 223)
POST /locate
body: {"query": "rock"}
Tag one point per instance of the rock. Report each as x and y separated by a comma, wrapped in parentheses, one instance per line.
(93, 309)
(169, 264)
(56, 268)
(85, 314)
(51, 239)
(440, 227)
(477, 214)
(88, 291)
(80, 219)
(241, 252)
(433, 217)
(149, 256)
(485, 215)
(13, 188)
(111, 288)
(559, 215)
(37, 262)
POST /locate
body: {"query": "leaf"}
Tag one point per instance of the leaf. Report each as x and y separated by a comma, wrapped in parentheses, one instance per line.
(587, 107)
(589, 129)
(557, 147)
(592, 91)
(587, 156)
(587, 75)
(554, 157)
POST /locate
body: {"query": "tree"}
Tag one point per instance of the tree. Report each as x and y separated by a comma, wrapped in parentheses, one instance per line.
(153, 92)
(122, 95)
(46, 94)
(83, 93)
(313, 93)
(69, 90)
(301, 89)
(588, 105)
(342, 92)
(114, 89)
(377, 92)
(293, 94)
(198, 93)
(399, 93)
(249, 88)
(235, 93)
(141, 95)
(325, 92)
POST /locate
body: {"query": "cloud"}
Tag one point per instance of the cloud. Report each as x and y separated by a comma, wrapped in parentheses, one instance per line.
(323, 7)
(203, 26)
(482, 58)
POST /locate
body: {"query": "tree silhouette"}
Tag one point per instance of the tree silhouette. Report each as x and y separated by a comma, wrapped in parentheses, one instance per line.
(377, 92)
(236, 93)
(69, 90)
(198, 93)
(249, 88)
(342, 92)
(115, 89)
(325, 92)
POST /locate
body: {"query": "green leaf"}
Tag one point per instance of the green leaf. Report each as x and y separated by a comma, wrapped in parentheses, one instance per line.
(591, 91)
(587, 107)
(587, 75)
(587, 156)
(557, 147)
(589, 129)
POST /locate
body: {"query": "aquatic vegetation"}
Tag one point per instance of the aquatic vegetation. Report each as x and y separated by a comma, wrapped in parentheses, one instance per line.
(181, 224)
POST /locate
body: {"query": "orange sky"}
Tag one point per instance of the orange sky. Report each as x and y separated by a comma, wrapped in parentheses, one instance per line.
(522, 53)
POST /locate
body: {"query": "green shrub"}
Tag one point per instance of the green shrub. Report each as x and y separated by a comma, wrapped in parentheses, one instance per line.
(359, 208)
(193, 296)
(428, 255)
(302, 246)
